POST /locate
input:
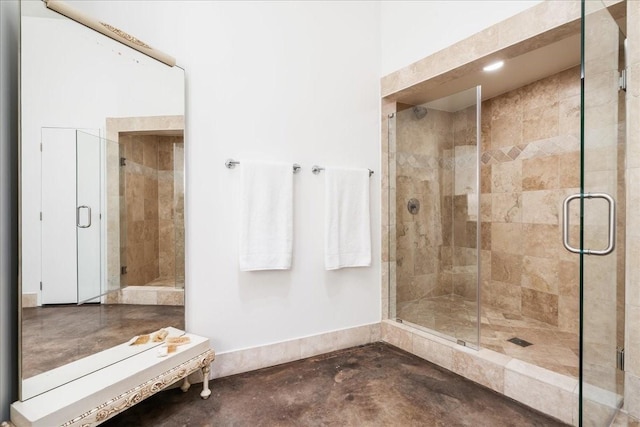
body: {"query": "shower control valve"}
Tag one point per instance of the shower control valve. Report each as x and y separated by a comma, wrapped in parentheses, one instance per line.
(413, 206)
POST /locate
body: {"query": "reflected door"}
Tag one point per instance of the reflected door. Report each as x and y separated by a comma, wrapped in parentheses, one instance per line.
(88, 213)
(70, 216)
(602, 207)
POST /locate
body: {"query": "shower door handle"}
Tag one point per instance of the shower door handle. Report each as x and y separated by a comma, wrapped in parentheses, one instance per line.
(78, 216)
(612, 224)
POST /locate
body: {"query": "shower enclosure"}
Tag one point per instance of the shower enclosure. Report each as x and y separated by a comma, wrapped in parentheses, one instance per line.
(437, 211)
(507, 216)
(151, 209)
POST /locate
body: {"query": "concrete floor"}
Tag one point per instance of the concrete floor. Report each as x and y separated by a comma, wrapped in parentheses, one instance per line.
(53, 336)
(372, 385)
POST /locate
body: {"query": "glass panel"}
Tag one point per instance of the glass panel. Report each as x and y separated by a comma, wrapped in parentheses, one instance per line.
(152, 211)
(178, 209)
(434, 148)
(88, 215)
(122, 214)
(602, 167)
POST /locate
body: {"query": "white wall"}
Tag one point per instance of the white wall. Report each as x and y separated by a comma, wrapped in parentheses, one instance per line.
(8, 204)
(291, 81)
(412, 30)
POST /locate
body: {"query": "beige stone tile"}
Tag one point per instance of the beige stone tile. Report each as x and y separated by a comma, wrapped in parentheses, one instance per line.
(397, 335)
(541, 123)
(542, 306)
(506, 177)
(29, 300)
(506, 207)
(485, 178)
(375, 332)
(480, 367)
(568, 313)
(569, 115)
(150, 152)
(540, 94)
(506, 131)
(633, 202)
(143, 297)
(569, 170)
(485, 235)
(114, 297)
(632, 341)
(569, 278)
(485, 207)
(506, 105)
(622, 419)
(556, 400)
(543, 240)
(170, 297)
(632, 394)
(506, 268)
(504, 296)
(540, 274)
(540, 173)
(569, 84)
(506, 237)
(433, 349)
(633, 126)
(632, 275)
(541, 207)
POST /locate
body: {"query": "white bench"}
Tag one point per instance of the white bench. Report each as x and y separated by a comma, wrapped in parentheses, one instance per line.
(94, 397)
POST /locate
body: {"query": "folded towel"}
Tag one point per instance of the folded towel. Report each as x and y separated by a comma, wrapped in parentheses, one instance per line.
(266, 228)
(347, 229)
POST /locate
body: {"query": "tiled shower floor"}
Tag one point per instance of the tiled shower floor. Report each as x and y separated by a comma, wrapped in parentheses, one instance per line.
(454, 316)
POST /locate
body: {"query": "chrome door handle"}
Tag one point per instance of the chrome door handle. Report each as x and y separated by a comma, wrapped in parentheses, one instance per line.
(612, 223)
(78, 216)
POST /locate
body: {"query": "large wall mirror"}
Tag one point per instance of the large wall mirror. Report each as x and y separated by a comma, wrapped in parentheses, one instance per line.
(102, 198)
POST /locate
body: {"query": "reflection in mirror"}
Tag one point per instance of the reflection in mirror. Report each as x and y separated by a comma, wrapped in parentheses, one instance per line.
(102, 198)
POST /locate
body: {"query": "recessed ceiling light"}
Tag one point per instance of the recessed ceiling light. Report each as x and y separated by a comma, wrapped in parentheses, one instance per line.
(494, 66)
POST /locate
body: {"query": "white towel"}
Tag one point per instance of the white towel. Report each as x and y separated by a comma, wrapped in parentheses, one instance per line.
(266, 228)
(347, 230)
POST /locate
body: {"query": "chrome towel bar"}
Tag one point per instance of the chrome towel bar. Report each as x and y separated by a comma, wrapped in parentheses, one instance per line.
(317, 169)
(230, 164)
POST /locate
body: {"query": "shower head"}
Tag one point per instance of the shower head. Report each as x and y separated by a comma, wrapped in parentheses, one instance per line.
(419, 112)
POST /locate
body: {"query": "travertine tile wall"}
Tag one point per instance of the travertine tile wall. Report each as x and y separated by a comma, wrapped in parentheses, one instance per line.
(529, 164)
(152, 205)
(141, 245)
(170, 208)
(422, 176)
(436, 165)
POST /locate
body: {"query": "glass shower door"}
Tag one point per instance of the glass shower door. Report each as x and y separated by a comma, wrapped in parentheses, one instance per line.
(434, 222)
(88, 216)
(601, 245)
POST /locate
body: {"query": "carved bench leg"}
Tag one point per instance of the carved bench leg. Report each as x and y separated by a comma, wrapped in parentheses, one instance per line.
(185, 384)
(205, 382)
